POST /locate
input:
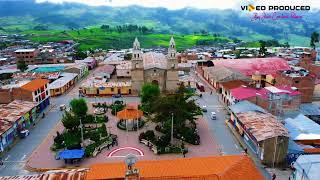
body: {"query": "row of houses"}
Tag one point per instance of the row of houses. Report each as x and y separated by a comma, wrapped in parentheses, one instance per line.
(14, 118)
(270, 105)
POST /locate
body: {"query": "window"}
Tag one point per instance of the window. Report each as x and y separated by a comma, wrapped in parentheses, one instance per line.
(154, 70)
(46, 86)
(112, 89)
(38, 91)
(296, 82)
(35, 93)
(47, 93)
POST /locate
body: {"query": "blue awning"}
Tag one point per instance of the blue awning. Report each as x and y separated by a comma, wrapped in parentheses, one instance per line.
(71, 154)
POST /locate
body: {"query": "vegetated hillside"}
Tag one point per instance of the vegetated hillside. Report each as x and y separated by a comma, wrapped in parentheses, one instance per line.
(17, 16)
(93, 38)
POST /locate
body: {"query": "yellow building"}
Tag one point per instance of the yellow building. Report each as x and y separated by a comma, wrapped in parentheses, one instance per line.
(99, 87)
(63, 84)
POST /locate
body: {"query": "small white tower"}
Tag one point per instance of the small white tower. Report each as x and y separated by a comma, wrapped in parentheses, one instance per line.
(136, 55)
(172, 52)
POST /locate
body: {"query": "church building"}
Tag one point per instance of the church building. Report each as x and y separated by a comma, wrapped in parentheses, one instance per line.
(155, 68)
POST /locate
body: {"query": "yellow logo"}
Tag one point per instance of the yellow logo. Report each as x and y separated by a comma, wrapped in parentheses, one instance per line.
(251, 8)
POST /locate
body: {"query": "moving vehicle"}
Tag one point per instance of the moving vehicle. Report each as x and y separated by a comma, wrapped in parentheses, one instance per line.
(213, 115)
(62, 107)
(204, 109)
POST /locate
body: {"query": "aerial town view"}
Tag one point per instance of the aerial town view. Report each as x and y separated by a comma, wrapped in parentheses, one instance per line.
(165, 90)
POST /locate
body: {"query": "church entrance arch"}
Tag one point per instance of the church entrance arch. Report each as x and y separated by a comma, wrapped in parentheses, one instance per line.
(155, 82)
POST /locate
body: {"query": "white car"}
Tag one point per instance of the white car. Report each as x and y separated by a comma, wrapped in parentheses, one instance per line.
(213, 115)
(204, 109)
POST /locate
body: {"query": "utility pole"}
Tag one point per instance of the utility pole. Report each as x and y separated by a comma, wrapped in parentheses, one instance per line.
(171, 128)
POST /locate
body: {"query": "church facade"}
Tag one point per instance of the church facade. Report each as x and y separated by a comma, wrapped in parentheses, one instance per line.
(155, 68)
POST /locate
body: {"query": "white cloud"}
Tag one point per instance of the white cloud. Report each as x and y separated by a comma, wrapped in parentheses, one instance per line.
(201, 4)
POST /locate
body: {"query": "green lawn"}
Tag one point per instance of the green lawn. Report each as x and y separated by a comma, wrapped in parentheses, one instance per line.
(98, 38)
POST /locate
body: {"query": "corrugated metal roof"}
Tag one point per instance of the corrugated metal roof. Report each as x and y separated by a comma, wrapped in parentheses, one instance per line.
(67, 77)
(309, 109)
(309, 166)
(246, 106)
(302, 125)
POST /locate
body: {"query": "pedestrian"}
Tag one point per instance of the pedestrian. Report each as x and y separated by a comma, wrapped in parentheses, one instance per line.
(211, 93)
(1, 162)
(274, 176)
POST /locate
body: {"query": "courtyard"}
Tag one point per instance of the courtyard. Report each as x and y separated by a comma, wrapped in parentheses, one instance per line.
(43, 157)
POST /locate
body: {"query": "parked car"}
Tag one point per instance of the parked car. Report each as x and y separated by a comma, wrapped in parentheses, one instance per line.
(213, 115)
(204, 109)
(24, 133)
(63, 107)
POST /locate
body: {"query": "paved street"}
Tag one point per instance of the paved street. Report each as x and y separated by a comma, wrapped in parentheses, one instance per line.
(228, 144)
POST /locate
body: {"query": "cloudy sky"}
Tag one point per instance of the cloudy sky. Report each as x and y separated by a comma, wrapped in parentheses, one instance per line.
(201, 4)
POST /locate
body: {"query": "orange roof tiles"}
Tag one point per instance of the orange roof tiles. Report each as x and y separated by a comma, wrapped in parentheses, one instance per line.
(237, 167)
(129, 113)
(35, 84)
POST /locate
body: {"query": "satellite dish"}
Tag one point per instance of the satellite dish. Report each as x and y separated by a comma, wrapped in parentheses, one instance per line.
(130, 160)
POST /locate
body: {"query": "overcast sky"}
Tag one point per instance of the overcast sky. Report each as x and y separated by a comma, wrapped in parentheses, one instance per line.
(201, 4)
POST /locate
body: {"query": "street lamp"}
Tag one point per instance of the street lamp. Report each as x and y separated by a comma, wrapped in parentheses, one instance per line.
(172, 128)
(81, 128)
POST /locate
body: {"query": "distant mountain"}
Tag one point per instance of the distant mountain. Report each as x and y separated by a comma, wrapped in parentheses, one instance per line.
(23, 15)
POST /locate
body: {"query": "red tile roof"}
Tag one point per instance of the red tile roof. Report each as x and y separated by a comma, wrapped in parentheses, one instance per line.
(251, 66)
(129, 114)
(237, 167)
(242, 92)
(35, 84)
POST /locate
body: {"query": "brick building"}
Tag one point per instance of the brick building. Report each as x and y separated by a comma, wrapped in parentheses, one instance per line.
(308, 60)
(275, 99)
(299, 78)
(27, 55)
(33, 91)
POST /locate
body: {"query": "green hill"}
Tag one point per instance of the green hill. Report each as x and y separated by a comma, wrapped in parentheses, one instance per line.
(17, 16)
(99, 38)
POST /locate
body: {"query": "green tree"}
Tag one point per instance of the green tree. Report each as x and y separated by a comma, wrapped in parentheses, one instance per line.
(22, 66)
(70, 121)
(180, 105)
(149, 93)
(79, 107)
(314, 39)
(262, 50)
(79, 55)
